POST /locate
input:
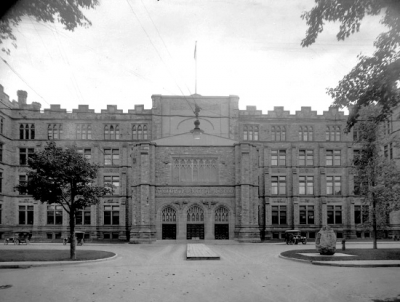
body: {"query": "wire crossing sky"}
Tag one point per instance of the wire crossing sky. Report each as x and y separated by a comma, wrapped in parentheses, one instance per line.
(137, 48)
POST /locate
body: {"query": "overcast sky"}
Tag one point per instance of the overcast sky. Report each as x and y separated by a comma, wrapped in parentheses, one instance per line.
(137, 48)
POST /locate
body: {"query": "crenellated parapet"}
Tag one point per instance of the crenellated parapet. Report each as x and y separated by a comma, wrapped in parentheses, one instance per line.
(305, 113)
(54, 109)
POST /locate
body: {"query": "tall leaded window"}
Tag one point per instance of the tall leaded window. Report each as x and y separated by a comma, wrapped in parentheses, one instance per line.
(356, 133)
(168, 215)
(83, 131)
(306, 133)
(23, 181)
(140, 132)
(388, 151)
(54, 214)
(111, 157)
(278, 133)
(195, 214)
(250, 132)
(387, 126)
(1, 212)
(111, 215)
(1, 124)
(306, 185)
(114, 181)
(332, 133)
(27, 131)
(1, 181)
(25, 214)
(278, 185)
(306, 157)
(333, 157)
(83, 216)
(54, 131)
(1, 152)
(306, 214)
(221, 215)
(278, 157)
(333, 185)
(111, 132)
(279, 214)
(334, 214)
(24, 155)
(195, 170)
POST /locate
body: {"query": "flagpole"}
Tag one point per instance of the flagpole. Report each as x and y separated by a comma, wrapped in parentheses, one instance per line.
(195, 60)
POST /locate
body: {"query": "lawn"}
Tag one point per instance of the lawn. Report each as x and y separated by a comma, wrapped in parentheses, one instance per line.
(50, 255)
(359, 254)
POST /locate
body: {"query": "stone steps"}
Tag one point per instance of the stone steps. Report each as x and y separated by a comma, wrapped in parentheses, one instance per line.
(200, 251)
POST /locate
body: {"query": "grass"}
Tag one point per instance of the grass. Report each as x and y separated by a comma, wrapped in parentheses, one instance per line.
(50, 255)
(359, 254)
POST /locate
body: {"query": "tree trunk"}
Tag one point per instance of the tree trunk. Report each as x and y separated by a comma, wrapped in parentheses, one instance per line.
(374, 226)
(72, 250)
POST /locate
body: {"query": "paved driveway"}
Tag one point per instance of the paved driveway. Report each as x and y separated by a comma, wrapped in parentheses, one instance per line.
(159, 272)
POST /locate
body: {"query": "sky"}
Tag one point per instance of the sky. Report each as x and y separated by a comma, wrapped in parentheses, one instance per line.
(137, 48)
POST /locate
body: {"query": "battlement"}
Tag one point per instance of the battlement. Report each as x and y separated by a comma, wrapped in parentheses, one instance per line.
(305, 112)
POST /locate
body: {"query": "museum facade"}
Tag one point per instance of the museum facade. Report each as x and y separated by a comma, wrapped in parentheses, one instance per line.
(237, 174)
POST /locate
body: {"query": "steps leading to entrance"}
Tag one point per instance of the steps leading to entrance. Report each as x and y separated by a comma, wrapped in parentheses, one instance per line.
(200, 251)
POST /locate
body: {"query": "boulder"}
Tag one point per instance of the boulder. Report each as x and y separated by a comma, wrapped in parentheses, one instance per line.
(326, 241)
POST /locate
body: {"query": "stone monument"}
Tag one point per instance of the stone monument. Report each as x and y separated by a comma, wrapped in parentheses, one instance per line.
(326, 241)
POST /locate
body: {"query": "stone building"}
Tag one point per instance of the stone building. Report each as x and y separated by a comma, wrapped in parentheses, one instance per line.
(247, 176)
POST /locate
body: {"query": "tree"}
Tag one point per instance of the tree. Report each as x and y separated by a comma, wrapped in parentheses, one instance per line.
(376, 78)
(67, 12)
(378, 176)
(64, 177)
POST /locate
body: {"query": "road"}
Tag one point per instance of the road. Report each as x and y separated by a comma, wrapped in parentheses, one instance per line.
(159, 272)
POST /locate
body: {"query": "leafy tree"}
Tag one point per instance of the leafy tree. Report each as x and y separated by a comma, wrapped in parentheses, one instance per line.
(376, 78)
(67, 12)
(64, 177)
(378, 176)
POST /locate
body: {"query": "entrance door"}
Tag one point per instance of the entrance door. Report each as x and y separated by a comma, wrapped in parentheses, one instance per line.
(195, 231)
(169, 231)
(222, 231)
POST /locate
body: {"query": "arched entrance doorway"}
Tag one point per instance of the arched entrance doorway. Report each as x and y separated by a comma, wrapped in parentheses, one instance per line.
(221, 227)
(195, 223)
(168, 219)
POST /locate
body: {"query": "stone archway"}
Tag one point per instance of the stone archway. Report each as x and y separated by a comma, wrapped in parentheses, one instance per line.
(168, 223)
(195, 223)
(221, 223)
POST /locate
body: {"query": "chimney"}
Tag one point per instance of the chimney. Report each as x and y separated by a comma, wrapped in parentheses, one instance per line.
(22, 96)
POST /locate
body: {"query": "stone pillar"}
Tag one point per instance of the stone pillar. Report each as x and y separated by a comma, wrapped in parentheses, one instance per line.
(296, 212)
(143, 231)
(324, 218)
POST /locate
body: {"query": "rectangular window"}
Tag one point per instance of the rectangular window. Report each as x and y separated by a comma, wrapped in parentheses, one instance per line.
(334, 214)
(250, 132)
(111, 157)
(54, 214)
(278, 157)
(361, 214)
(387, 126)
(278, 133)
(197, 170)
(24, 154)
(1, 182)
(306, 133)
(1, 125)
(306, 214)
(86, 153)
(333, 185)
(333, 157)
(83, 216)
(278, 185)
(356, 133)
(54, 131)
(279, 214)
(357, 186)
(306, 157)
(84, 131)
(23, 179)
(111, 132)
(306, 185)
(25, 214)
(1, 152)
(111, 215)
(1, 212)
(27, 131)
(332, 133)
(113, 180)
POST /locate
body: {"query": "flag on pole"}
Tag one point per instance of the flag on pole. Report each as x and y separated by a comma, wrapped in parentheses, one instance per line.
(195, 50)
